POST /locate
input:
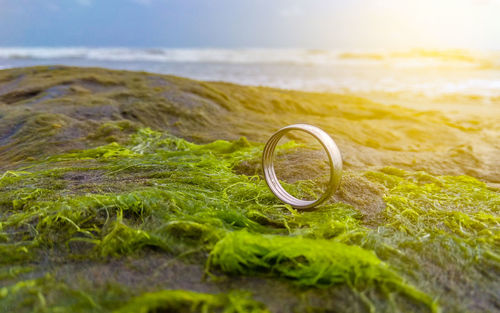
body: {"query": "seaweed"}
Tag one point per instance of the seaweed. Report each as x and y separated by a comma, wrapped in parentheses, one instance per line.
(80, 108)
(108, 177)
(186, 301)
(158, 193)
(308, 262)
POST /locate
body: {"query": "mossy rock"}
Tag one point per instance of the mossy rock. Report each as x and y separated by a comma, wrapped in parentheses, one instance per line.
(124, 191)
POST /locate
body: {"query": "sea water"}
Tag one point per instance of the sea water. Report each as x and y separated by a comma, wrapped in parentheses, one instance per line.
(444, 74)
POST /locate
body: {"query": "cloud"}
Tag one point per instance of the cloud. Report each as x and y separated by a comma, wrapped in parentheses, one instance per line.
(292, 11)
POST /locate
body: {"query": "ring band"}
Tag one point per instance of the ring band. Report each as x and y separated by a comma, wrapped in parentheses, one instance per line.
(334, 158)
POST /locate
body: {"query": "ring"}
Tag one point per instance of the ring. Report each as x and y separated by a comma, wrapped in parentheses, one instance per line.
(334, 159)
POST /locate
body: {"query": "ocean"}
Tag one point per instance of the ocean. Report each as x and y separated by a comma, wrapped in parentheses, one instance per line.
(411, 74)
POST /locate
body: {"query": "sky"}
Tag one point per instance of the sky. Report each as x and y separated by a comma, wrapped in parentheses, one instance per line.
(311, 24)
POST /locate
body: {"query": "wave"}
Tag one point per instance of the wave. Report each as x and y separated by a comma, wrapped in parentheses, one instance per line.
(167, 55)
(411, 58)
(421, 72)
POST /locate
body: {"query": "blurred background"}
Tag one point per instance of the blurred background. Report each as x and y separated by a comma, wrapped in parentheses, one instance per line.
(446, 52)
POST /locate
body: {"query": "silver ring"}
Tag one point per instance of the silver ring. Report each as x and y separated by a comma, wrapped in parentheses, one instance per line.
(334, 158)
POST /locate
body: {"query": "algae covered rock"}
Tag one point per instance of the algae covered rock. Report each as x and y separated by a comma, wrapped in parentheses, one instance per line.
(136, 192)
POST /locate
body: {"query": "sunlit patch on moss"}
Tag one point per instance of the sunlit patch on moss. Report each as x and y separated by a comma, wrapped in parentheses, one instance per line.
(422, 206)
(440, 230)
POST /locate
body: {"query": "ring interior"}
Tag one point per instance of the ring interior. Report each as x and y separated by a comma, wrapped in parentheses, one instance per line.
(272, 180)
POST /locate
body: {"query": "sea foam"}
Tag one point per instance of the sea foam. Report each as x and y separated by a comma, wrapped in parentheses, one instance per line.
(418, 71)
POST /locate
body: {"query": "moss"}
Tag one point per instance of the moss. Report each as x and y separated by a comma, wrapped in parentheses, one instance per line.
(47, 294)
(308, 262)
(113, 131)
(162, 193)
(90, 179)
(459, 206)
(14, 271)
(122, 239)
(186, 301)
(42, 217)
(441, 229)
(62, 116)
(15, 253)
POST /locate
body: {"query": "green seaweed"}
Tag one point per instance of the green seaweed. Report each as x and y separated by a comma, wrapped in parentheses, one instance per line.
(162, 194)
(45, 294)
(187, 301)
(93, 201)
(68, 108)
(308, 262)
(443, 230)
